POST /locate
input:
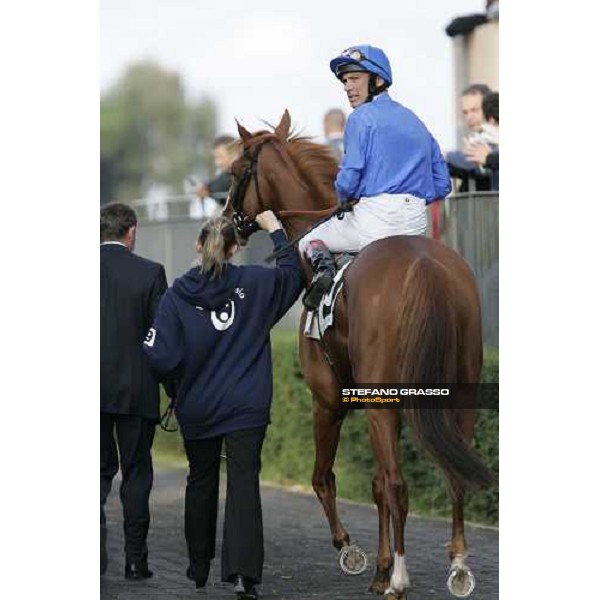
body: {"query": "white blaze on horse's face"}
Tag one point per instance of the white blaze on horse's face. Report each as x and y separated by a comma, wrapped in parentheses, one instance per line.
(356, 86)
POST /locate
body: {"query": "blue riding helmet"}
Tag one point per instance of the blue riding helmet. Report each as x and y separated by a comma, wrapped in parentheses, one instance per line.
(363, 58)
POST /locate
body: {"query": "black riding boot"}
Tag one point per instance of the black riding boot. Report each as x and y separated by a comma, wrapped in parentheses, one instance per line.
(323, 266)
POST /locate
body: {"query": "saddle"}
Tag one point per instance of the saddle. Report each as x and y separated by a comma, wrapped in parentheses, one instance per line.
(317, 322)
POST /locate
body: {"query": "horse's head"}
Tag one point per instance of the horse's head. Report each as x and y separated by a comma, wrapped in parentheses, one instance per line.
(289, 175)
(250, 192)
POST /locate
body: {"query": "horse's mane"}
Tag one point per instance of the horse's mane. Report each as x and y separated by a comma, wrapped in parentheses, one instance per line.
(315, 163)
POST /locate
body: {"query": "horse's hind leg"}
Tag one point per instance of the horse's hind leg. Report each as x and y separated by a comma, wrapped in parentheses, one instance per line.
(381, 581)
(327, 425)
(461, 580)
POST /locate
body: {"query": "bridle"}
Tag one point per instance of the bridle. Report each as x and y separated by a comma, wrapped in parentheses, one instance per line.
(245, 225)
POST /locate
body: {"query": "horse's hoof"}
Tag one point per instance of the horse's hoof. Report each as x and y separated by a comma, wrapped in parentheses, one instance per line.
(378, 587)
(461, 581)
(381, 582)
(396, 595)
(353, 560)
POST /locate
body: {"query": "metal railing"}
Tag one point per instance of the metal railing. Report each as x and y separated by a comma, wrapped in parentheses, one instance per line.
(168, 229)
(469, 223)
(466, 222)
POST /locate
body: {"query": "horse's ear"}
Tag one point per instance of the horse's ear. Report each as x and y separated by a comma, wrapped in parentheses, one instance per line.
(244, 133)
(283, 129)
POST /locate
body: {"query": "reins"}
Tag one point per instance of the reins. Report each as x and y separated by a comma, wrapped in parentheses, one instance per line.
(327, 214)
(308, 214)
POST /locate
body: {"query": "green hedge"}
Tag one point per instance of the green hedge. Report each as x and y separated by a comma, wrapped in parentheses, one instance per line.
(288, 453)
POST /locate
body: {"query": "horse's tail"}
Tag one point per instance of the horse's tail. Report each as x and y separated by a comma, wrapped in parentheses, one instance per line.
(430, 346)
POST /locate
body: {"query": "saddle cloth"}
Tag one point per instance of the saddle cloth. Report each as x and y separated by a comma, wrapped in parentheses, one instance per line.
(321, 319)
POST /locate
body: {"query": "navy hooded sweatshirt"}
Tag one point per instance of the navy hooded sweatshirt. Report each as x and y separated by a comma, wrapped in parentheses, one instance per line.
(215, 334)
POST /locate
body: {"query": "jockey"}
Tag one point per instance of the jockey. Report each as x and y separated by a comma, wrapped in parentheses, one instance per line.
(391, 163)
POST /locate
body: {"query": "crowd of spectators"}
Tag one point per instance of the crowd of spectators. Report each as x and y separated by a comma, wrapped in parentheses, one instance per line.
(476, 166)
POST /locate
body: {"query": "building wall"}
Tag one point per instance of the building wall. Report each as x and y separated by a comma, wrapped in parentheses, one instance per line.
(483, 44)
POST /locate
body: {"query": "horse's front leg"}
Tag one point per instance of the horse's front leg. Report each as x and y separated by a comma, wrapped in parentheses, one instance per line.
(327, 425)
(327, 422)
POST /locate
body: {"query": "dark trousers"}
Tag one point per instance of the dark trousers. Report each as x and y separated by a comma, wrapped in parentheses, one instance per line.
(242, 552)
(134, 437)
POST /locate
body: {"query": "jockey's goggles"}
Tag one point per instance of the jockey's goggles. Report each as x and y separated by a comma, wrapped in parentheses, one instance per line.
(360, 56)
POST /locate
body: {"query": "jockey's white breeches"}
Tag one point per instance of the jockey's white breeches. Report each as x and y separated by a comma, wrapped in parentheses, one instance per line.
(372, 219)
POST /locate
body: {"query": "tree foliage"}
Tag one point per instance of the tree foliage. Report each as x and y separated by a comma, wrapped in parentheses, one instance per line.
(151, 134)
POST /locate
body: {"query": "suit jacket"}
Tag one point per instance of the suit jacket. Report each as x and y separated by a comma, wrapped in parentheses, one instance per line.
(130, 289)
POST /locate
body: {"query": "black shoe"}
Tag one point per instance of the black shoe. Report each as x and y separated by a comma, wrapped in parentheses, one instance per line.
(103, 553)
(199, 575)
(137, 570)
(318, 288)
(244, 589)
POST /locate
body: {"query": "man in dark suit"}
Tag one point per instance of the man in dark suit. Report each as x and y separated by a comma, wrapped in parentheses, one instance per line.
(130, 289)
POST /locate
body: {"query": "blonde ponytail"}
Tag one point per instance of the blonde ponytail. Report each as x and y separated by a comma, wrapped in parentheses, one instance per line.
(217, 237)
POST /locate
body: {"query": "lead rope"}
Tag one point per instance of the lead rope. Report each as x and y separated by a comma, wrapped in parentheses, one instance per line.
(166, 417)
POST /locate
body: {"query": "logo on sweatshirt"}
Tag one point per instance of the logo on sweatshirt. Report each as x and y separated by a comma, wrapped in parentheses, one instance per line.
(222, 319)
(150, 337)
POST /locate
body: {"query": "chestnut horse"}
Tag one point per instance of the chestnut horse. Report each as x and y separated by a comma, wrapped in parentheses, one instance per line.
(409, 313)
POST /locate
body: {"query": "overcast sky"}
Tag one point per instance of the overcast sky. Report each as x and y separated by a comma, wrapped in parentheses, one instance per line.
(258, 58)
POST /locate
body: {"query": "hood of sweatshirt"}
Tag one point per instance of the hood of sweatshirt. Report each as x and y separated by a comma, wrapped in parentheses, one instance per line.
(200, 289)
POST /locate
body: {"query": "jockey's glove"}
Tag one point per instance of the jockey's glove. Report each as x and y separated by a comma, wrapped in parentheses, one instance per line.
(345, 205)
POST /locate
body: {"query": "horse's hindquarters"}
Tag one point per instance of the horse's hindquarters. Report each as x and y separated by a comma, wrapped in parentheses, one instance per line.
(403, 293)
